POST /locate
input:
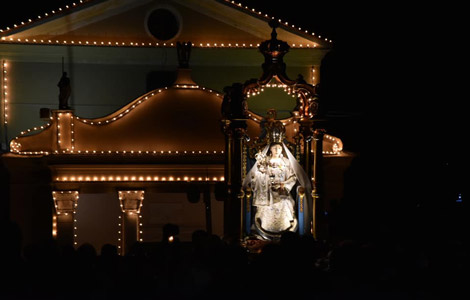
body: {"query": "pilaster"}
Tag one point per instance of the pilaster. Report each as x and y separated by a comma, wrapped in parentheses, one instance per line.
(131, 202)
(63, 220)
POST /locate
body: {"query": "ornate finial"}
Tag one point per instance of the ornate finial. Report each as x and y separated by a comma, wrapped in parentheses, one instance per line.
(273, 51)
(274, 24)
(184, 50)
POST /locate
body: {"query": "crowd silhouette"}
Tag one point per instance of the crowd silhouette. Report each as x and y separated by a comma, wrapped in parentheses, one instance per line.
(208, 267)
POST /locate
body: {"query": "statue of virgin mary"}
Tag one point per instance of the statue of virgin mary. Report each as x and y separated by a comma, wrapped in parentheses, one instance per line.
(272, 178)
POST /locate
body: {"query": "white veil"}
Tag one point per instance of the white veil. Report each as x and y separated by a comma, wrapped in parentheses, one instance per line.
(302, 177)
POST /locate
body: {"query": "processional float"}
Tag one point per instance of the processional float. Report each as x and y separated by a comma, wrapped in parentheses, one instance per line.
(304, 149)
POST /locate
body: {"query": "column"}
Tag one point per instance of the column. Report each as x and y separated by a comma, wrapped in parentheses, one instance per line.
(318, 224)
(234, 112)
(233, 203)
(306, 130)
(63, 124)
(131, 203)
(63, 220)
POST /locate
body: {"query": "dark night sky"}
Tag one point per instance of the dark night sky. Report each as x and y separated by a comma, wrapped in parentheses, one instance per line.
(394, 63)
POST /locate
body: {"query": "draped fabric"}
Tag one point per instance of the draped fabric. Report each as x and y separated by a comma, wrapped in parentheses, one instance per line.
(275, 208)
(304, 182)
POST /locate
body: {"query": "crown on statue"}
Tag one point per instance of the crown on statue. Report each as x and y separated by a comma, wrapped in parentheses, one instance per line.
(276, 132)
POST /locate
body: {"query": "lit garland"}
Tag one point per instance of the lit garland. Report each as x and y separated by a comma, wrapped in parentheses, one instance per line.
(313, 75)
(139, 44)
(136, 195)
(72, 132)
(58, 130)
(74, 195)
(256, 91)
(120, 225)
(285, 24)
(337, 147)
(54, 226)
(148, 44)
(139, 228)
(140, 239)
(15, 146)
(261, 89)
(5, 92)
(139, 178)
(46, 15)
(120, 234)
(75, 221)
(290, 91)
(141, 100)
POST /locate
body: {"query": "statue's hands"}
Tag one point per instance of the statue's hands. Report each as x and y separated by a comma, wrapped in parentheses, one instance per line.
(277, 186)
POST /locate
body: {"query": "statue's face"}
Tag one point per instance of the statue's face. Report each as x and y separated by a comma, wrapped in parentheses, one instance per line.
(276, 150)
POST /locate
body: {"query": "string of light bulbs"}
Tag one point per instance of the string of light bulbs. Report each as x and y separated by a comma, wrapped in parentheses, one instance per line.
(67, 8)
(240, 45)
(74, 195)
(15, 145)
(5, 92)
(135, 195)
(137, 178)
(285, 24)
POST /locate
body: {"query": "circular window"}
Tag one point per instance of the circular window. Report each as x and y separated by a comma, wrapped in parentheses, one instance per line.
(163, 24)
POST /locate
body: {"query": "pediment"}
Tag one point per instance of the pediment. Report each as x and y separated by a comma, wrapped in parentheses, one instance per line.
(117, 23)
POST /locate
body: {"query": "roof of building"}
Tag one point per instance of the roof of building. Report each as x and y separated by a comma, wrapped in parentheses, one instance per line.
(215, 23)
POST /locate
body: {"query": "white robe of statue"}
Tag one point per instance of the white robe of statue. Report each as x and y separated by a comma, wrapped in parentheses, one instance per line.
(271, 183)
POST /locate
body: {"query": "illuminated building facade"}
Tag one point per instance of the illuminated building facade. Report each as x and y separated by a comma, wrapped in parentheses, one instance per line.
(142, 142)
